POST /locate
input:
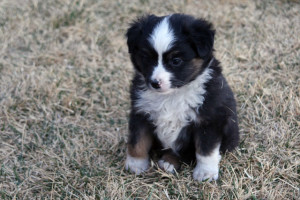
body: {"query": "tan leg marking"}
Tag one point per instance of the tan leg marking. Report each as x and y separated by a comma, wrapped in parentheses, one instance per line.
(142, 147)
(137, 160)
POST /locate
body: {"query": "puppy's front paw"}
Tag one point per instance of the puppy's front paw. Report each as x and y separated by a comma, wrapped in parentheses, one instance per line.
(165, 165)
(205, 172)
(136, 165)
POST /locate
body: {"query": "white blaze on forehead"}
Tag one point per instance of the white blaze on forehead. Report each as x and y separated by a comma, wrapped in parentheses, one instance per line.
(162, 39)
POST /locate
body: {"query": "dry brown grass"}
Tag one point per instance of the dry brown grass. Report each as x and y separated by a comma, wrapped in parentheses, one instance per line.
(64, 81)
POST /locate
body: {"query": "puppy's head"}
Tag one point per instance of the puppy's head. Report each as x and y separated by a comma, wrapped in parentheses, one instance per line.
(170, 51)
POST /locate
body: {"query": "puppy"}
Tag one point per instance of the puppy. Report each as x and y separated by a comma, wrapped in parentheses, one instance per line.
(179, 97)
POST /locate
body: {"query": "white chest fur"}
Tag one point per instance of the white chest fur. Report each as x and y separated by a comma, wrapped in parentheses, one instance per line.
(173, 111)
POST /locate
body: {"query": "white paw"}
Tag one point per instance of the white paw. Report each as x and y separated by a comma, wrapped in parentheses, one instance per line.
(136, 165)
(204, 172)
(168, 167)
(207, 167)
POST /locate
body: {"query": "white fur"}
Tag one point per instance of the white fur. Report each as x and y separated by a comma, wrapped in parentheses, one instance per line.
(162, 39)
(172, 111)
(136, 165)
(207, 166)
(168, 167)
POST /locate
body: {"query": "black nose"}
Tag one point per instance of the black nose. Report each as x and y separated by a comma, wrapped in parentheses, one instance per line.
(155, 84)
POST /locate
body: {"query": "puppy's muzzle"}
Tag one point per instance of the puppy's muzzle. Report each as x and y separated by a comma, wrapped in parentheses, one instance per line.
(155, 84)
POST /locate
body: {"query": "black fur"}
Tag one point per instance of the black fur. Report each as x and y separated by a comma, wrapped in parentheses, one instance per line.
(217, 118)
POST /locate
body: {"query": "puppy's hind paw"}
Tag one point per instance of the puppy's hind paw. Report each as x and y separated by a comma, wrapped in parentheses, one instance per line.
(166, 166)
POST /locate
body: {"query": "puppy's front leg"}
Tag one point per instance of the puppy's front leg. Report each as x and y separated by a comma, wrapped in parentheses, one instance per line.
(207, 155)
(207, 167)
(139, 144)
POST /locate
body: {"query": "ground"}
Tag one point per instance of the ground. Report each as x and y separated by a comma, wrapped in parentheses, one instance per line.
(64, 103)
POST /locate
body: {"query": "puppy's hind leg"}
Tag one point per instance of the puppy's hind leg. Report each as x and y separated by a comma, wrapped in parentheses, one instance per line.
(169, 161)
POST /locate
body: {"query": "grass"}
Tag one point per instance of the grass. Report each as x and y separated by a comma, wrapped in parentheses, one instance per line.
(64, 102)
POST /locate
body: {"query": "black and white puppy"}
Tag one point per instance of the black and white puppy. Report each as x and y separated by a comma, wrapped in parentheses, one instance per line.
(179, 96)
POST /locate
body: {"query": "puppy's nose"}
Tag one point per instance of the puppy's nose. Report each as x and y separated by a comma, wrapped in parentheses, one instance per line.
(155, 84)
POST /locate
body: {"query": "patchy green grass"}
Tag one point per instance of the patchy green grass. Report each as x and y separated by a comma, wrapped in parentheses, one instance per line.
(64, 102)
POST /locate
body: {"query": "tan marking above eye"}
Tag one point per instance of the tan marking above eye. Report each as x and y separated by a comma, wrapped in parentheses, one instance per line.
(173, 54)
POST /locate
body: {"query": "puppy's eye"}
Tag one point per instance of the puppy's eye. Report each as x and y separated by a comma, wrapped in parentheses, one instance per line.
(176, 62)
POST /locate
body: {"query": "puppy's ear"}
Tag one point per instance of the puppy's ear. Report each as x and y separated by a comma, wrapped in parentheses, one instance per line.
(133, 33)
(202, 36)
(137, 29)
